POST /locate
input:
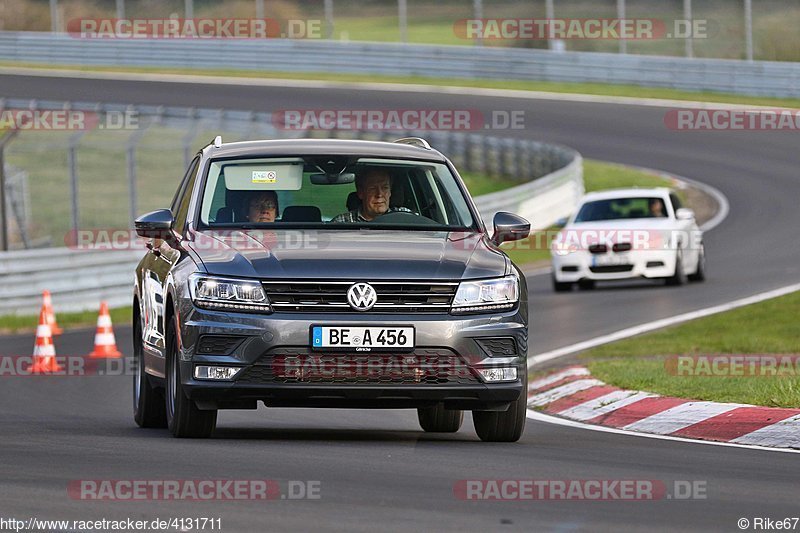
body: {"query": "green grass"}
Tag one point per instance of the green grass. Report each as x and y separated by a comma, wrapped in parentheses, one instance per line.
(633, 91)
(24, 323)
(764, 328)
(480, 184)
(597, 175)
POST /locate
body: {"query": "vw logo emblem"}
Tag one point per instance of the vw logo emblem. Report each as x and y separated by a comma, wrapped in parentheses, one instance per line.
(361, 296)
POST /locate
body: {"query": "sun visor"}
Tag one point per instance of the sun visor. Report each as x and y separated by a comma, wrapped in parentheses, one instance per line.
(274, 176)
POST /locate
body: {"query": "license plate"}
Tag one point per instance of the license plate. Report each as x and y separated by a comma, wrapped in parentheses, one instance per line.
(610, 260)
(362, 338)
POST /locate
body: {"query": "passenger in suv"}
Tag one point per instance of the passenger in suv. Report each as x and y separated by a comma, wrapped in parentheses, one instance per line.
(413, 309)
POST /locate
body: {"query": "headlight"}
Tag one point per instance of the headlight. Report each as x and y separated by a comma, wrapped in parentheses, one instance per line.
(486, 295)
(229, 294)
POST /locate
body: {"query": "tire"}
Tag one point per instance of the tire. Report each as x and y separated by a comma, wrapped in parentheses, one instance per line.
(700, 272)
(679, 277)
(586, 284)
(561, 286)
(149, 409)
(184, 419)
(439, 420)
(503, 426)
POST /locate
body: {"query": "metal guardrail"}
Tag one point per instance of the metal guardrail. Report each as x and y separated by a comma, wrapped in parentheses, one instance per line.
(761, 78)
(550, 176)
(78, 280)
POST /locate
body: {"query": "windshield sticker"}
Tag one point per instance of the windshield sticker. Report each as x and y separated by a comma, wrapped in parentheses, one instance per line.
(265, 176)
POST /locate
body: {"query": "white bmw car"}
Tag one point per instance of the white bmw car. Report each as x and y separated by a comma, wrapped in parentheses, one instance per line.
(628, 234)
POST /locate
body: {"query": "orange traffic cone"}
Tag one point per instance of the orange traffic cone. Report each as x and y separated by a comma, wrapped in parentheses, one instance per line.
(47, 303)
(44, 352)
(105, 344)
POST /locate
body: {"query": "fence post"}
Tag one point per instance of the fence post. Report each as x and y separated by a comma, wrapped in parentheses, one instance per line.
(72, 164)
(191, 133)
(623, 44)
(3, 221)
(402, 15)
(687, 15)
(477, 14)
(329, 19)
(748, 28)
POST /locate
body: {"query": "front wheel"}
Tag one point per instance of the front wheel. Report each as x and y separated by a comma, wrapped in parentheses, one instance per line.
(440, 420)
(700, 272)
(503, 426)
(149, 410)
(679, 277)
(183, 417)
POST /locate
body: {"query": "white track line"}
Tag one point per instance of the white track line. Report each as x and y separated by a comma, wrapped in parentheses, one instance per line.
(658, 324)
(542, 417)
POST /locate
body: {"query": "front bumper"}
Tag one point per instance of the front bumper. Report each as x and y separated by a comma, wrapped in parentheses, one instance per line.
(578, 265)
(448, 354)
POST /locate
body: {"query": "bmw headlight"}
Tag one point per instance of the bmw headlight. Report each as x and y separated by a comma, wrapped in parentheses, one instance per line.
(229, 294)
(486, 295)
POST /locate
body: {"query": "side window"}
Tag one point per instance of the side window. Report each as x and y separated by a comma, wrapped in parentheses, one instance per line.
(676, 203)
(185, 196)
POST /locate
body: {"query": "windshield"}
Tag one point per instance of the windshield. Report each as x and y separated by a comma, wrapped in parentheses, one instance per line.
(622, 208)
(333, 191)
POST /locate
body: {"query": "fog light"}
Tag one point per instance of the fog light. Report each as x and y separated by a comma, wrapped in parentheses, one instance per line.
(493, 375)
(215, 372)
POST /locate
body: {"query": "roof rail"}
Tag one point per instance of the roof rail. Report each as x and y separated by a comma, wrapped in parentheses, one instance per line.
(414, 141)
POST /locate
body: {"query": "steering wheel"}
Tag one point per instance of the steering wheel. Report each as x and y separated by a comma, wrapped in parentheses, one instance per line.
(403, 217)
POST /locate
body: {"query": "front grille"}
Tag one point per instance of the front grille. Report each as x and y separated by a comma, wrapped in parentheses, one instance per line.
(331, 296)
(611, 269)
(299, 365)
(217, 344)
(498, 346)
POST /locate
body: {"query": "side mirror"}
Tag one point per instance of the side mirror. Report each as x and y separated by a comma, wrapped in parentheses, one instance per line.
(155, 224)
(509, 227)
(684, 214)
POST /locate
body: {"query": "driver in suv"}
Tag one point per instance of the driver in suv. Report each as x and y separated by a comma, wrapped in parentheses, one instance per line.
(374, 189)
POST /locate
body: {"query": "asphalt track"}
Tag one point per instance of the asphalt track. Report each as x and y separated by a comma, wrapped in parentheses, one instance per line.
(377, 470)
